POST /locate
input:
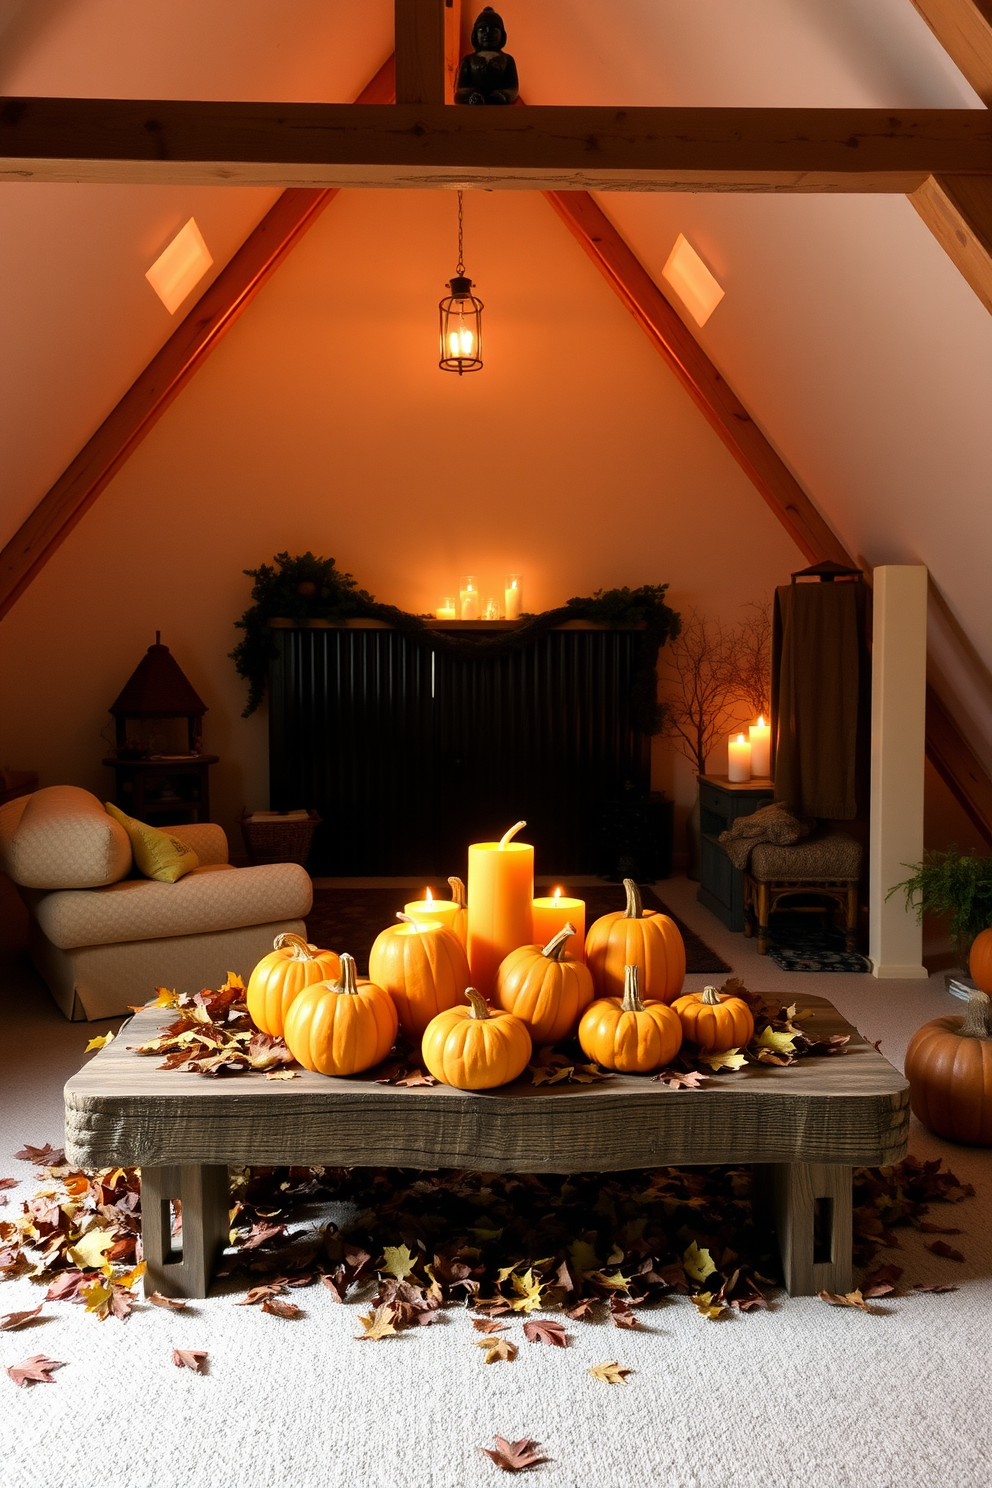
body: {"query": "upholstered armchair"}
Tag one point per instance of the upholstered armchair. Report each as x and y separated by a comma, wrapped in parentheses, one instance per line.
(102, 939)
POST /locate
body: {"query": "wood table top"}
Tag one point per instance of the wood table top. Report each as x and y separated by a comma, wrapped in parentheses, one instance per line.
(847, 1108)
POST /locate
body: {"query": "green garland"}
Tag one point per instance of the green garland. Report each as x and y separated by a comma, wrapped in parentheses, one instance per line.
(310, 588)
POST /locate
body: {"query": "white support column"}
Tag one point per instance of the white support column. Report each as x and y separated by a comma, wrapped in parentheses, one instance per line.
(898, 741)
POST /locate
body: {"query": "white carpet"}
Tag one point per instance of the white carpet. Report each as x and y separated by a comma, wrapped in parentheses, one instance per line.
(803, 1395)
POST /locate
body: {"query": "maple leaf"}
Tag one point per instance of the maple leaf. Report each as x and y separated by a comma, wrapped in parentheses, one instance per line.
(9, 1183)
(12, 1320)
(779, 1043)
(615, 1282)
(36, 1370)
(260, 1233)
(540, 1332)
(416, 1077)
(331, 1283)
(278, 1308)
(397, 1261)
(496, 1349)
(174, 1304)
(621, 1313)
(681, 1080)
(164, 998)
(378, 1324)
(46, 1157)
(513, 1456)
(584, 1257)
(65, 1287)
(99, 1042)
(754, 1299)
(528, 1292)
(708, 1304)
(611, 1373)
(262, 1293)
(89, 1253)
(195, 1359)
(848, 1299)
(97, 1294)
(548, 1074)
(582, 1309)
(490, 1325)
(881, 1281)
(941, 1248)
(733, 1059)
(282, 1074)
(698, 1264)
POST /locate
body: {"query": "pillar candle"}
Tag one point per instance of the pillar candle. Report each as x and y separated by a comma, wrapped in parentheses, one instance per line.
(761, 748)
(446, 610)
(468, 594)
(553, 913)
(513, 596)
(500, 899)
(738, 759)
(431, 911)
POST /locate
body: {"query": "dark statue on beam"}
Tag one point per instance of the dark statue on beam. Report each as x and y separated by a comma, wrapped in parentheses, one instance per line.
(487, 75)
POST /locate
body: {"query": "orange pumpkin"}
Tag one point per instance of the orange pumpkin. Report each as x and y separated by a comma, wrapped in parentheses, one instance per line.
(341, 1028)
(637, 937)
(628, 1034)
(949, 1069)
(474, 1048)
(713, 1022)
(424, 969)
(281, 976)
(460, 922)
(544, 987)
(980, 960)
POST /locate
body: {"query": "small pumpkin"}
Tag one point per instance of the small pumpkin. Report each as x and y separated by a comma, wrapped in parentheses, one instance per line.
(713, 1022)
(546, 988)
(949, 1069)
(629, 1035)
(281, 976)
(475, 1048)
(424, 969)
(343, 1027)
(980, 960)
(637, 937)
(459, 924)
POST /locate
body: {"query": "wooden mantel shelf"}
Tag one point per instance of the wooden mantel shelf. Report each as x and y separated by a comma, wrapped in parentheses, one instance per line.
(475, 627)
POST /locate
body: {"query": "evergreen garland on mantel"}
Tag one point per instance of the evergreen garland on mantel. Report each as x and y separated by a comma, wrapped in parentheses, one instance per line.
(308, 588)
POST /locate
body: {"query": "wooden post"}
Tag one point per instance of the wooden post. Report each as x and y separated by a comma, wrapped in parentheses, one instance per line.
(452, 47)
(812, 1210)
(898, 743)
(420, 51)
(204, 1193)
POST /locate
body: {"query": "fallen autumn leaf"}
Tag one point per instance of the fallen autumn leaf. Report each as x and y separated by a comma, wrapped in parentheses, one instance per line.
(34, 1371)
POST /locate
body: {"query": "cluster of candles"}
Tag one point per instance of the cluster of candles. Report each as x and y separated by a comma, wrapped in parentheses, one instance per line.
(468, 604)
(750, 758)
(502, 910)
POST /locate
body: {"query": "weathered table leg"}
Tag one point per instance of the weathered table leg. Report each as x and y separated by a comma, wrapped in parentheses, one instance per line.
(183, 1269)
(811, 1206)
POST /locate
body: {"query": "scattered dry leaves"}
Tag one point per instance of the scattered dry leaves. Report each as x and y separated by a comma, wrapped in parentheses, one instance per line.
(848, 1299)
(34, 1371)
(172, 1304)
(12, 1320)
(537, 1331)
(487, 1325)
(46, 1157)
(195, 1359)
(708, 1304)
(682, 1079)
(378, 1324)
(611, 1373)
(278, 1308)
(514, 1456)
(496, 1348)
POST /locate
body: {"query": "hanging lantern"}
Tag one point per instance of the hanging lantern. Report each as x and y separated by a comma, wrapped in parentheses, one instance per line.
(461, 319)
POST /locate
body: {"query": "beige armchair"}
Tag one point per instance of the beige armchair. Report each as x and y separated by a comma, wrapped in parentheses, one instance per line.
(102, 940)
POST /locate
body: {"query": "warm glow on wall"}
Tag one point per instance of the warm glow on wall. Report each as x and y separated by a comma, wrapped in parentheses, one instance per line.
(183, 264)
(692, 281)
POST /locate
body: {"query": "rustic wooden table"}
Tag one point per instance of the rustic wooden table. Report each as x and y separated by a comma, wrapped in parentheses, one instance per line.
(804, 1127)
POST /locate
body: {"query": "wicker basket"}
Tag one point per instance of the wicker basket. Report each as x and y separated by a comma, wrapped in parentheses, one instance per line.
(278, 841)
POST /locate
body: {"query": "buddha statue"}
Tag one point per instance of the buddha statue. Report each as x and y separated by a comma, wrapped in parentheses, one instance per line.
(487, 75)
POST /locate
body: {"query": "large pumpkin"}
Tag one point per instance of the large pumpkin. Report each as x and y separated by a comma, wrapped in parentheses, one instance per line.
(949, 1069)
(637, 937)
(544, 987)
(341, 1028)
(629, 1035)
(474, 1048)
(713, 1022)
(424, 969)
(281, 976)
(980, 960)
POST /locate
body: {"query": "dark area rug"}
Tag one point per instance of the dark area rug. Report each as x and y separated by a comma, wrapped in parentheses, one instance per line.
(796, 944)
(350, 919)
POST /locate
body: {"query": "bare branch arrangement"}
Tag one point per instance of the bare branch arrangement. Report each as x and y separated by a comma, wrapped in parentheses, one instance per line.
(720, 675)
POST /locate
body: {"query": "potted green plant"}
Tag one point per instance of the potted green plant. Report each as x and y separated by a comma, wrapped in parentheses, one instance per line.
(956, 884)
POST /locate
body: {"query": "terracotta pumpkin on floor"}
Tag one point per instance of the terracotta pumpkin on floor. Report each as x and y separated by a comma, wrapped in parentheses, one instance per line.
(949, 1069)
(629, 1035)
(282, 975)
(713, 1022)
(546, 988)
(424, 969)
(980, 960)
(639, 937)
(341, 1028)
(474, 1047)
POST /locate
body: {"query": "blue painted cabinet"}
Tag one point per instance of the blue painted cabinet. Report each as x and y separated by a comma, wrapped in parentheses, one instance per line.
(721, 801)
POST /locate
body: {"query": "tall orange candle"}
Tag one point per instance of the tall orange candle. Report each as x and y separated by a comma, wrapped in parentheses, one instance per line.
(429, 911)
(553, 913)
(500, 896)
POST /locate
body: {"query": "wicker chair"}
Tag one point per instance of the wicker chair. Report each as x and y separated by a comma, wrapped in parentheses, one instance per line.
(828, 866)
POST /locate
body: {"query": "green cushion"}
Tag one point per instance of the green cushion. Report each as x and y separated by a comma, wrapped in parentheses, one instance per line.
(157, 854)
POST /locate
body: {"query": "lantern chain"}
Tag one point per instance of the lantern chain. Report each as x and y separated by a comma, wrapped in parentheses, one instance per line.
(461, 254)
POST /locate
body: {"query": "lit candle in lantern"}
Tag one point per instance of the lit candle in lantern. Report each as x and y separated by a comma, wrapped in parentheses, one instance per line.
(431, 911)
(500, 900)
(446, 610)
(468, 593)
(761, 748)
(738, 759)
(513, 599)
(553, 913)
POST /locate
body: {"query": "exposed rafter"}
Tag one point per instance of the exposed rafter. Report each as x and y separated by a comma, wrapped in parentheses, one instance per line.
(958, 211)
(964, 30)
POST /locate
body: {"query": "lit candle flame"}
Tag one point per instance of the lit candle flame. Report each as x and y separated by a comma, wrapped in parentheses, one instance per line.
(453, 342)
(761, 720)
(428, 895)
(740, 738)
(557, 893)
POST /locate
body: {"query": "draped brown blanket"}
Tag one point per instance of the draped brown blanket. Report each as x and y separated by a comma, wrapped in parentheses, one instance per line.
(771, 824)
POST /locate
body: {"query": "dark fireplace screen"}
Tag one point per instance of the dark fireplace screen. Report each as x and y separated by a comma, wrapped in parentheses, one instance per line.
(409, 755)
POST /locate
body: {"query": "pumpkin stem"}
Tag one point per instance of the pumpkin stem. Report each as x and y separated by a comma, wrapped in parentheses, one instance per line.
(710, 997)
(510, 832)
(978, 1019)
(458, 891)
(631, 1000)
(409, 919)
(480, 1007)
(347, 982)
(634, 910)
(555, 948)
(302, 950)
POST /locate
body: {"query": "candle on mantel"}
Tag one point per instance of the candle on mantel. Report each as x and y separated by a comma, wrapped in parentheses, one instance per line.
(500, 899)
(738, 759)
(553, 913)
(513, 599)
(468, 595)
(761, 748)
(431, 911)
(446, 610)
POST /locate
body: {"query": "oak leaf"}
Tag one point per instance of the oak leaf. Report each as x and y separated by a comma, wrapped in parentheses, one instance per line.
(174, 1304)
(195, 1359)
(698, 1264)
(513, 1456)
(497, 1348)
(708, 1304)
(36, 1370)
(12, 1320)
(611, 1373)
(732, 1059)
(378, 1324)
(540, 1332)
(941, 1248)
(278, 1308)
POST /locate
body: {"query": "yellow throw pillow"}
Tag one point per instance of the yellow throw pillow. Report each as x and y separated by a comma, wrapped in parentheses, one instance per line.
(157, 854)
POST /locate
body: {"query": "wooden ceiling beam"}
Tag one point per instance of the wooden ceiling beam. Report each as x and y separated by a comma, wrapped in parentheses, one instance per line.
(958, 211)
(964, 30)
(537, 148)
